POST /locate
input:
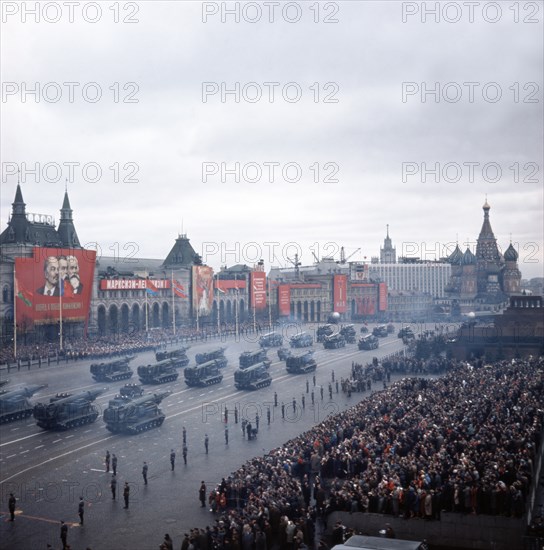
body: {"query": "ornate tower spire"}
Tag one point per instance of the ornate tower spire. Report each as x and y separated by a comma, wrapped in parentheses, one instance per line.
(388, 254)
(67, 230)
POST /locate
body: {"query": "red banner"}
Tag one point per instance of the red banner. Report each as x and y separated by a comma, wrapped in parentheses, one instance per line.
(284, 300)
(340, 292)
(51, 279)
(382, 293)
(257, 281)
(132, 284)
(202, 290)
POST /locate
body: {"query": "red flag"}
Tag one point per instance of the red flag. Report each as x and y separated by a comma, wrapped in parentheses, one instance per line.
(178, 288)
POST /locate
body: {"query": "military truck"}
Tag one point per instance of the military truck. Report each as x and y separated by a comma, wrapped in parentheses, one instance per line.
(406, 332)
(204, 374)
(15, 404)
(334, 341)
(65, 411)
(250, 358)
(349, 334)
(252, 378)
(271, 340)
(368, 341)
(135, 415)
(301, 340)
(301, 364)
(218, 354)
(131, 391)
(112, 371)
(380, 331)
(161, 372)
(179, 356)
(283, 354)
(324, 330)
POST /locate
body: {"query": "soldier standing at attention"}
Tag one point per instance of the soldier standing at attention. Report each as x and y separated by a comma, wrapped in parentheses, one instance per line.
(184, 453)
(172, 458)
(313, 397)
(206, 442)
(235, 415)
(275, 399)
(11, 506)
(226, 435)
(64, 534)
(114, 464)
(257, 421)
(144, 473)
(321, 392)
(226, 415)
(184, 435)
(303, 399)
(202, 494)
(268, 415)
(307, 386)
(107, 461)
(283, 410)
(113, 485)
(244, 424)
(81, 510)
(313, 378)
(126, 493)
(294, 405)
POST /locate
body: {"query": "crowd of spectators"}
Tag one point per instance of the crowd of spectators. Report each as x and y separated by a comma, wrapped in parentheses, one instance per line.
(464, 443)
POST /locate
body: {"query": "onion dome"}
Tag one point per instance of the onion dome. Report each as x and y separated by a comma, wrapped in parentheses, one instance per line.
(468, 257)
(456, 257)
(510, 254)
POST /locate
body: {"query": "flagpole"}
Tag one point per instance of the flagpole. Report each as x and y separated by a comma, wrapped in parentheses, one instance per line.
(173, 305)
(14, 313)
(218, 306)
(269, 305)
(236, 306)
(146, 309)
(61, 282)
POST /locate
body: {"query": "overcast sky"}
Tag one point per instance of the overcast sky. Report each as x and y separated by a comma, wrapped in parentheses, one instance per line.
(359, 132)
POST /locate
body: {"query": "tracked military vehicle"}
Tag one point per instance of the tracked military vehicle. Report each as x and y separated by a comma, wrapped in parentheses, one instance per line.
(112, 371)
(161, 372)
(334, 341)
(323, 331)
(179, 356)
(136, 415)
(301, 364)
(368, 341)
(301, 340)
(205, 374)
(349, 334)
(283, 354)
(131, 391)
(252, 378)
(65, 411)
(250, 358)
(15, 404)
(380, 331)
(271, 340)
(218, 354)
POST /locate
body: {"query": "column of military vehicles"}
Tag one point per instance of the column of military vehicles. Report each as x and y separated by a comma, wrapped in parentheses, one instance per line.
(133, 412)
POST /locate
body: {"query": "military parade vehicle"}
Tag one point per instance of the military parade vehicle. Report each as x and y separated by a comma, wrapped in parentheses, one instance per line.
(2, 384)
(368, 341)
(250, 358)
(67, 410)
(15, 404)
(131, 390)
(301, 340)
(112, 371)
(334, 341)
(406, 332)
(349, 334)
(283, 354)
(380, 330)
(325, 330)
(137, 415)
(218, 354)
(179, 356)
(252, 378)
(204, 374)
(390, 328)
(271, 340)
(159, 373)
(301, 364)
